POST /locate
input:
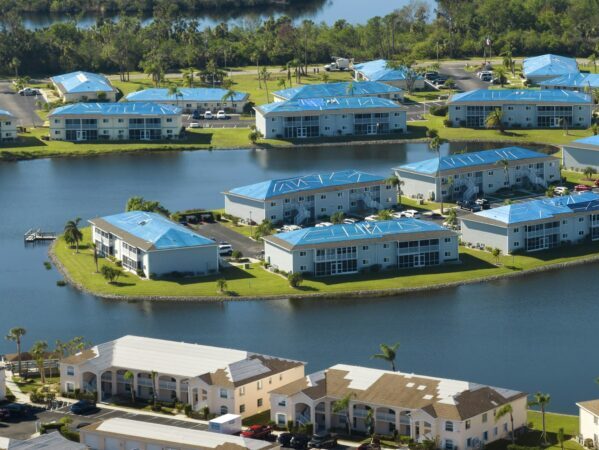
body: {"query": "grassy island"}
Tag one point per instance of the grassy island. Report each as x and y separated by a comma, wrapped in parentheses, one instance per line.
(256, 282)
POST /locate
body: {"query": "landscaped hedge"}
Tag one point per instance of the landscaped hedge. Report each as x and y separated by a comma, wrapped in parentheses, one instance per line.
(522, 447)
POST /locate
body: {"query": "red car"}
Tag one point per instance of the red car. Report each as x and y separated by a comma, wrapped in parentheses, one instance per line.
(597, 182)
(257, 432)
(582, 187)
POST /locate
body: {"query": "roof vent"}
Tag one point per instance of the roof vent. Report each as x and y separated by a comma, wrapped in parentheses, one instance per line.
(410, 385)
(142, 223)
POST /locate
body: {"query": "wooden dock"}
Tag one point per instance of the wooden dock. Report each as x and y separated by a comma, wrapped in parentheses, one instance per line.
(38, 235)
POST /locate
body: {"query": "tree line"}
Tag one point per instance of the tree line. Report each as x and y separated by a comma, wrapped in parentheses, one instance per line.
(172, 41)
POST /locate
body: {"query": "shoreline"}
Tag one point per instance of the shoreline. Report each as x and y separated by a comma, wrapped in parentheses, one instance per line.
(6, 155)
(373, 293)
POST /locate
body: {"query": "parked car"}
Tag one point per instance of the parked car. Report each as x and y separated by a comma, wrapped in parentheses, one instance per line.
(221, 115)
(483, 203)
(486, 77)
(432, 215)
(225, 249)
(397, 215)
(299, 442)
(326, 440)
(4, 414)
(582, 188)
(83, 407)
(196, 115)
(257, 432)
(349, 220)
(29, 92)
(485, 74)
(287, 228)
(372, 218)
(560, 190)
(194, 125)
(469, 206)
(82, 424)
(411, 213)
(323, 224)
(208, 115)
(430, 76)
(285, 439)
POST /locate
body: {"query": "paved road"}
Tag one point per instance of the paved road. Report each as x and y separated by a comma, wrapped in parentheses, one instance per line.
(239, 242)
(22, 107)
(234, 121)
(24, 429)
(465, 81)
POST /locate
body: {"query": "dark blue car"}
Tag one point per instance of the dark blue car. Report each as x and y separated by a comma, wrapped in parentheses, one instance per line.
(83, 407)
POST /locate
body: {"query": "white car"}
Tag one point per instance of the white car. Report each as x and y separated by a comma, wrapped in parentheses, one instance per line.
(411, 213)
(397, 215)
(560, 190)
(324, 224)
(287, 228)
(208, 115)
(372, 218)
(225, 250)
(221, 115)
(349, 221)
(29, 91)
(193, 125)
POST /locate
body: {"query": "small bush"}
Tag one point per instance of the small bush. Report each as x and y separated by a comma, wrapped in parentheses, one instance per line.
(448, 123)
(295, 279)
(439, 111)
(236, 255)
(47, 265)
(61, 283)
(217, 217)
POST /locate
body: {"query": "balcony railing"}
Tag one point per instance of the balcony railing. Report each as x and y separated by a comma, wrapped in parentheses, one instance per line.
(385, 417)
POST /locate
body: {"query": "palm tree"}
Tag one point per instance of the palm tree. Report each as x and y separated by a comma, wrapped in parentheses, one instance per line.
(15, 334)
(342, 405)
(435, 146)
(38, 351)
(221, 285)
(95, 248)
(188, 76)
(508, 61)
(500, 73)
(564, 124)
(495, 120)
(542, 400)
(264, 75)
(282, 83)
(397, 183)
(129, 376)
(561, 437)
(72, 234)
(505, 164)
(384, 214)
(589, 172)
(229, 95)
(593, 60)
(388, 353)
(370, 421)
(174, 91)
(154, 376)
(349, 89)
(504, 411)
(255, 136)
(325, 77)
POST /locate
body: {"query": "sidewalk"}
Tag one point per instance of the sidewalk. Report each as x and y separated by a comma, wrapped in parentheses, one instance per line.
(16, 390)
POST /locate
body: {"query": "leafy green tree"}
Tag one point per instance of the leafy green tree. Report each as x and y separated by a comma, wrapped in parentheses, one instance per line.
(110, 274)
(337, 217)
(589, 172)
(542, 400)
(72, 234)
(496, 252)
(140, 204)
(16, 335)
(295, 279)
(255, 136)
(385, 214)
(452, 217)
(264, 229)
(501, 74)
(507, 410)
(388, 353)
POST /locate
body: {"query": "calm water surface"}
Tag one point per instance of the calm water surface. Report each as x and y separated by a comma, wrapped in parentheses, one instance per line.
(329, 11)
(536, 333)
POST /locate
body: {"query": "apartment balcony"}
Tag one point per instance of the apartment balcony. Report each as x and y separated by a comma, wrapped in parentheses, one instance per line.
(385, 417)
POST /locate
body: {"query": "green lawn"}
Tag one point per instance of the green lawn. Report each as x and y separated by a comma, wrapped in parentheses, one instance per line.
(31, 384)
(554, 421)
(426, 205)
(256, 281)
(245, 230)
(574, 178)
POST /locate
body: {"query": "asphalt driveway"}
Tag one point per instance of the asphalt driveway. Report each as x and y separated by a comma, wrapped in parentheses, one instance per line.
(220, 233)
(22, 107)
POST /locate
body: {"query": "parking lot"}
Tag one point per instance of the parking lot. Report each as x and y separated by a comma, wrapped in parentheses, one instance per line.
(232, 121)
(25, 428)
(23, 107)
(220, 233)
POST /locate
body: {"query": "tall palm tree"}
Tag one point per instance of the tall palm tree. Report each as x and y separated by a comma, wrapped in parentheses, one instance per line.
(504, 411)
(129, 376)
(349, 89)
(370, 422)
(388, 353)
(264, 75)
(500, 73)
(342, 405)
(188, 76)
(397, 183)
(435, 146)
(282, 83)
(593, 60)
(15, 334)
(72, 233)
(38, 351)
(154, 376)
(173, 90)
(542, 400)
(229, 95)
(495, 120)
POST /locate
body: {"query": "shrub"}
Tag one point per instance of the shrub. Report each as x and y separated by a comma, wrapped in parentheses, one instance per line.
(217, 217)
(447, 123)
(375, 268)
(295, 279)
(521, 447)
(47, 265)
(439, 111)
(236, 255)
(61, 283)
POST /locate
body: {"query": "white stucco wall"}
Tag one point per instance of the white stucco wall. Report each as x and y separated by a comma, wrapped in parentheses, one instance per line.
(8, 127)
(201, 260)
(589, 425)
(2, 383)
(580, 158)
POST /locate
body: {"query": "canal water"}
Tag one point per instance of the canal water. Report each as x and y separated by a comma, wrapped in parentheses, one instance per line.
(328, 11)
(534, 333)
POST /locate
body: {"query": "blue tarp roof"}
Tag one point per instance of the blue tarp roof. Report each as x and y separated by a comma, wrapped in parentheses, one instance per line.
(546, 208)
(187, 94)
(342, 89)
(356, 231)
(328, 104)
(4, 112)
(485, 157)
(520, 95)
(591, 140)
(377, 70)
(273, 188)
(156, 229)
(574, 80)
(549, 64)
(117, 109)
(79, 82)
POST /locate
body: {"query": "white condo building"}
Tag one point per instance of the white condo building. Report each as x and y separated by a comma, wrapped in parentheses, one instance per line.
(222, 379)
(455, 414)
(588, 415)
(8, 126)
